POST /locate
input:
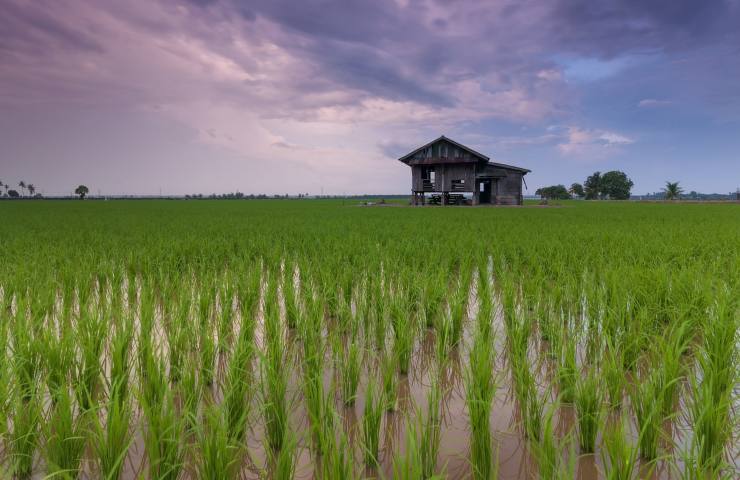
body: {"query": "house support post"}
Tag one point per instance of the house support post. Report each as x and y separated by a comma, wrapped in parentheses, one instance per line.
(476, 194)
(444, 198)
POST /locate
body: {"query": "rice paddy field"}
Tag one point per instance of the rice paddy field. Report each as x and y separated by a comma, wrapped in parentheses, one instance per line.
(318, 339)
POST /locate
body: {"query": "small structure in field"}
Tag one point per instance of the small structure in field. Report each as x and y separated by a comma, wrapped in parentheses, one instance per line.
(447, 169)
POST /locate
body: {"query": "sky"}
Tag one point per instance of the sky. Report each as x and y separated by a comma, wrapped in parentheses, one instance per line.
(312, 96)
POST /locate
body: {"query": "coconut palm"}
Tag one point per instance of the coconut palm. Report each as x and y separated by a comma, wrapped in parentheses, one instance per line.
(22, 184)
(672, 191)
(31, 189)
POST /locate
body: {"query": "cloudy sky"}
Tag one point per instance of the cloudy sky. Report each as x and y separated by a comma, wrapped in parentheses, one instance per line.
(282, 96)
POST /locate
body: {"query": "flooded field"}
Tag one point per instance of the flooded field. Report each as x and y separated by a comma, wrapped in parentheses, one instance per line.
(310, 339)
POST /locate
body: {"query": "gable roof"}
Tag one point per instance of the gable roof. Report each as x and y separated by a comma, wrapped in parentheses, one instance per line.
(406, 157)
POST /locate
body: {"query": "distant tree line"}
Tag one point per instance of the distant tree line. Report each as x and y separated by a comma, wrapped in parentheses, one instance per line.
(23, 186)
(613, 185)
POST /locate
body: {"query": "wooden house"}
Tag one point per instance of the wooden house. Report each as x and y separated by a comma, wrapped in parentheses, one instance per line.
(447, 170)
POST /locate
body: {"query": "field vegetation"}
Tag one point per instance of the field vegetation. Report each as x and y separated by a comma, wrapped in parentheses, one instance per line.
(317, 339)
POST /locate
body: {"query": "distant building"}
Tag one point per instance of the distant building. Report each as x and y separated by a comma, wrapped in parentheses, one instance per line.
(447, 170)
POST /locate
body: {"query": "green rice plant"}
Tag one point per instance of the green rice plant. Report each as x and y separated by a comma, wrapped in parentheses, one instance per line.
(404, 329)
(567, 370)
(408, 465)
(619, 455)
(671, 351)
(225, 317)
(292, 309)
(589, 409)
(430, 430)
(274, 384)
(457, 312)
(164, 430)
(320, 414)
(283, 463)
(548, 451)
(349, 365)
(190, 390)
(646, 399)
(111, 436)
(389, 376)
(23, 439)
(120, 353)
(613, 374)
(372, 416)
(236, 400)
(59, 354)
(206, 351)
(480, 388)
(218, 456)
(710, 416)
(65, 437)
(337, 461)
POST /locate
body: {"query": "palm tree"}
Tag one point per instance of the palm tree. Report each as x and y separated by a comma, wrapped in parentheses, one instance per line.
(31, 189)
(672, 191)
(22, 184)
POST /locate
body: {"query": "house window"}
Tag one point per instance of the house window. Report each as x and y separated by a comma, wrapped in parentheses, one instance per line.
(431, 176)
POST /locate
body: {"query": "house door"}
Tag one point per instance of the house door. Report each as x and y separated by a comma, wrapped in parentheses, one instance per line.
(484, 191)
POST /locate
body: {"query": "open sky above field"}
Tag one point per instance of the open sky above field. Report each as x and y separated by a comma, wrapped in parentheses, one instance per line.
(284, 97)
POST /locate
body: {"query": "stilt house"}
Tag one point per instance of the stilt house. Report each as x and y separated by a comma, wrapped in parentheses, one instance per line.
(446, 170)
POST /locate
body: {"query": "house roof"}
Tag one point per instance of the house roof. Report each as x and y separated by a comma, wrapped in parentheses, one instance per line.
(405, 158)
(408, 158)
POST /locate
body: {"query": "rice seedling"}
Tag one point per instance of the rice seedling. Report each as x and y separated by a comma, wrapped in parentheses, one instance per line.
(283, 463)
(372, 417)
(274, 383)
(218, 455)
(646, 399)
(111, 436)
(163, 433)
(589, 409)
(619, 455)
(65, 437)
(556, 457)
(613, 376)
(349, 364)
(430, 430)
(337, 461)
(236, 399)
(480, 388)
(408, 465)
(388, 367)
(24, 436)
